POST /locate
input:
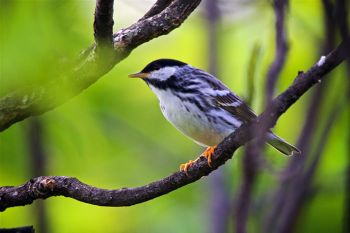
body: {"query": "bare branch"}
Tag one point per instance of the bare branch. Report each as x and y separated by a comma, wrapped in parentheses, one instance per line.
(253, 150)
(296, 164)
(294, 171)
(44, 187)
(292, 207)
(213, 15)
(103, 23)
(37, 163)
(249, 177)
(155, 26)
(250, 159)
(35, 100)
(26, 229)
(281, 48)
(158, 7)
(341, 12)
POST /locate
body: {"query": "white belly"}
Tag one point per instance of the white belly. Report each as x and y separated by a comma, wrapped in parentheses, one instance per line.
(190, 122)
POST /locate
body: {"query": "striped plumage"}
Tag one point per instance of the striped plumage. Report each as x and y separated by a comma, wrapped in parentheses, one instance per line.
(198, 104)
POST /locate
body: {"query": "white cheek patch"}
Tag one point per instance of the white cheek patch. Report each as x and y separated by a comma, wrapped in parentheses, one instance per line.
(163, 73)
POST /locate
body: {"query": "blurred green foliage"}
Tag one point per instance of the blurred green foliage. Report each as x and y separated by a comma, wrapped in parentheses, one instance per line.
(113, 135)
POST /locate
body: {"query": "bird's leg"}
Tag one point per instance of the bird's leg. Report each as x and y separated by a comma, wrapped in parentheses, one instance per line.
(208, 153)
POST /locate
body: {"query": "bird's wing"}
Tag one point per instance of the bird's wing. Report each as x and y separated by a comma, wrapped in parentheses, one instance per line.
(234, 105)
(224, 98)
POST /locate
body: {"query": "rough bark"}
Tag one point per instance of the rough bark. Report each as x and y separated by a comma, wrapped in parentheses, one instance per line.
(103, 23)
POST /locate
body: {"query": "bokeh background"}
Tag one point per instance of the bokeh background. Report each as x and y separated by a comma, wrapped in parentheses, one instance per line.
(113, 134)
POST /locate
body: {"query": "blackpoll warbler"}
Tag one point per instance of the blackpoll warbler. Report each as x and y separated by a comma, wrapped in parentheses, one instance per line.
(199, 105)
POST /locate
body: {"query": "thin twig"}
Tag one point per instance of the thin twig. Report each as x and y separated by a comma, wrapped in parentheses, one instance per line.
(292, 207)
(157, 7)
(341, 12)
(37, 165)
(212, 14)
(254, 149)
(250, 159)
(281, 50)
(291, 176)
(44, 187)
(295, 165)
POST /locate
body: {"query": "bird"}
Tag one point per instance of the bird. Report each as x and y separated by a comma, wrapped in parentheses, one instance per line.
(200, 106)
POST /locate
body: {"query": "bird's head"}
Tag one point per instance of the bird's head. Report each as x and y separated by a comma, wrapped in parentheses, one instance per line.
(160, 73)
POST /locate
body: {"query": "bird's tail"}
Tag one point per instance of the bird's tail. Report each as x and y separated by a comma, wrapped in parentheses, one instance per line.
(281, 145)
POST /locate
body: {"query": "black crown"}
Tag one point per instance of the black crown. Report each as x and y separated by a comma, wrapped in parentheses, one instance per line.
(161, 63)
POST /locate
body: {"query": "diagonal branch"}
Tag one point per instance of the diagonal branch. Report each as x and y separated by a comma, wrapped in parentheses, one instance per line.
(160, 24)
(92, 65)
(158, 7)
(44, 187)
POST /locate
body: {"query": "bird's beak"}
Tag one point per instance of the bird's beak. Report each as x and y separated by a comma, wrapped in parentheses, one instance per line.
(139, 75)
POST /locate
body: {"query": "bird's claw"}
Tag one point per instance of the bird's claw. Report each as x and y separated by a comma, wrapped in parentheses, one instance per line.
(185, 166)
(208, 153)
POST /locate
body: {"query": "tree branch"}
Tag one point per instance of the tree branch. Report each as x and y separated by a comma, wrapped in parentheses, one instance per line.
(103, 23)
(250, 161)
(158, 7)
(280, 7)
(293, 173)
(37, 166)
(26, 229)
(44, 187)
(160, 24)
(253, 150)
(293, 204)
(341, 12)
(92, 65)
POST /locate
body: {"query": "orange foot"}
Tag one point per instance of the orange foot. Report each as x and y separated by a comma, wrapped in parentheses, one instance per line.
(208, 153)
(185, 166)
